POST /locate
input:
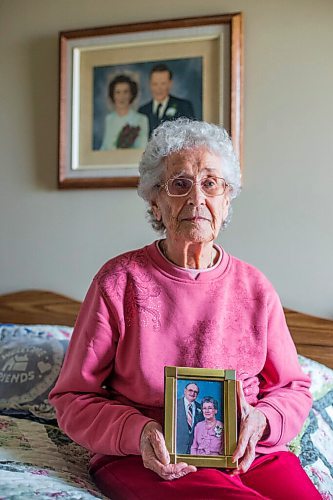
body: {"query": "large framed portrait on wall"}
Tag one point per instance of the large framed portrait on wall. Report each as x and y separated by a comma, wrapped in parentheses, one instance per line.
(118, 83)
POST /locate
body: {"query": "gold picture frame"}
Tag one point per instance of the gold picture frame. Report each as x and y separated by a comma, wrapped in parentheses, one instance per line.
(221, 386)
(89, 58)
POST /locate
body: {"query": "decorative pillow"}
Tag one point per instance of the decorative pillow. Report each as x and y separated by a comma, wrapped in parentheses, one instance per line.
(30, 360)
(314, 445)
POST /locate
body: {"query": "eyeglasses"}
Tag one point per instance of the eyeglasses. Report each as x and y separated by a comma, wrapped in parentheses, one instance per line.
(182, 186)
(191, 390)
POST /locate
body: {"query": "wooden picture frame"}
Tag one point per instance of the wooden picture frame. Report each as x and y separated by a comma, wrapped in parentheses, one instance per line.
(198, 444)
(91, 58)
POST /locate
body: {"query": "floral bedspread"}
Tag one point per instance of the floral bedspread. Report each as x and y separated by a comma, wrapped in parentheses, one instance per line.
(314, 444)
(38, 460)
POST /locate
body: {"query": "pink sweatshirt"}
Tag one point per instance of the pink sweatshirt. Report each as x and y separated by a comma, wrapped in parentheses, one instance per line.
(141, 314)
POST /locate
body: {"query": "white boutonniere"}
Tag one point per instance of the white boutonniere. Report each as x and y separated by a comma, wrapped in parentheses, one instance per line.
(218, 430)
(171, 111)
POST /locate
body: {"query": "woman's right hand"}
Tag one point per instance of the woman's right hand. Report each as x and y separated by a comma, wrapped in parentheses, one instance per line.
(155, 455)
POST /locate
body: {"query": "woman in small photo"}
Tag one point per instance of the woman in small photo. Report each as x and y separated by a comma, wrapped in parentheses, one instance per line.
(124, 127)
(208, 434)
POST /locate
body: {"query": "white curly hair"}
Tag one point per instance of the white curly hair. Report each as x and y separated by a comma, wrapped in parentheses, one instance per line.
(177, 135)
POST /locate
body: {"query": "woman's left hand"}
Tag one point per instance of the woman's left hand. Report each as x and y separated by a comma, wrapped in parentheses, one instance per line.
(252, 426)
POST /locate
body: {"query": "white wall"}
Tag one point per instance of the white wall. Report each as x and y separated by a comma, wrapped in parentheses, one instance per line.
(283, 220)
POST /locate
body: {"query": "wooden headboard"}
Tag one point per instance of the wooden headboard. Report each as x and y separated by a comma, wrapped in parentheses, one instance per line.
(38, 307)
(313, 336)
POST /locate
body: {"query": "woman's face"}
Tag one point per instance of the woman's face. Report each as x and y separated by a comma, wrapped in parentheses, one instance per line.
(122, 95)
(209, 411)
(195, 217)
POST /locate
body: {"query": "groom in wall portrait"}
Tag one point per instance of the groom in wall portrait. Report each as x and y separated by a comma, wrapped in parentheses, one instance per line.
(163, 105)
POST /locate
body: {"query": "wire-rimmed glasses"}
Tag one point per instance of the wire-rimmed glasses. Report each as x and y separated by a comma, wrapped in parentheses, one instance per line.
(182, 186)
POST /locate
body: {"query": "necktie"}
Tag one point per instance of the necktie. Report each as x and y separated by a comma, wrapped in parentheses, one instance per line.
(190, 416)
(158, 111)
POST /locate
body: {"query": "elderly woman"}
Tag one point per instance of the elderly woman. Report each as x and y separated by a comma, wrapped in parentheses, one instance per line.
(184, 301)
(208, 434)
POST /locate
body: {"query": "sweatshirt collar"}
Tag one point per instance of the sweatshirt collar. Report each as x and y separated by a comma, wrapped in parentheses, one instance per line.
(179, 273)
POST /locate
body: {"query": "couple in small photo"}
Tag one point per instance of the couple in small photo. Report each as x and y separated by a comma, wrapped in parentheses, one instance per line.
(199, 432)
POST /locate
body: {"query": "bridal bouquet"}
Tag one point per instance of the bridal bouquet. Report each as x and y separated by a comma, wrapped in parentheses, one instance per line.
(127, 136)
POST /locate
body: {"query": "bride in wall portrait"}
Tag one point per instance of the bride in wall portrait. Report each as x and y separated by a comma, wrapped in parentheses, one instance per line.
(124, 127)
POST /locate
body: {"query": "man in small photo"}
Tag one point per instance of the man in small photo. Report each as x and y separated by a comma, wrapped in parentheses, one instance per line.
(189, 413)
(164, 106)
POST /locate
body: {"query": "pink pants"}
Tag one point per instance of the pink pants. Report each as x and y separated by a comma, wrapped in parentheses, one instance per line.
(277, 476)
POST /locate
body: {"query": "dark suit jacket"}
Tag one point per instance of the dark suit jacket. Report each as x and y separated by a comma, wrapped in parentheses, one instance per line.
(184, 435)
(175, 109)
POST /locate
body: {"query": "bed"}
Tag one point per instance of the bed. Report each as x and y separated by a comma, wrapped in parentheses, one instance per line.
(37, 459)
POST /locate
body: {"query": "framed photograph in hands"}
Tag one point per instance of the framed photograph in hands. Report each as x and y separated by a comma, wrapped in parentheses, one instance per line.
(111, 99)
(200, 416)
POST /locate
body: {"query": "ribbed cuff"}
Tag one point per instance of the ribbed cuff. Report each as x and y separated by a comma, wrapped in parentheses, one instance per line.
(275, 422)
(131, 434)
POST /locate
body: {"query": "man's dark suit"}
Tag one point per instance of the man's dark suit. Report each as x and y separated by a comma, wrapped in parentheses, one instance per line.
(175, 109)
(184, 434)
